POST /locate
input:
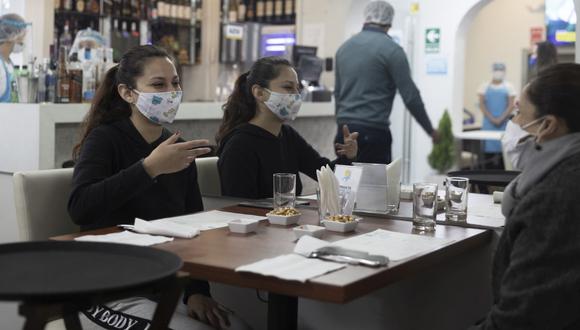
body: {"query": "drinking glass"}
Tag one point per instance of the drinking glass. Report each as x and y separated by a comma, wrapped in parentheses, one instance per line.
(284, 190)
(424, 206)
(456, 193)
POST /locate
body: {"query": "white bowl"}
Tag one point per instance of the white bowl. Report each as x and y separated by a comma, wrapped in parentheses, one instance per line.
(284, 220)
(243, 226)
(341, 227)
(309, 230)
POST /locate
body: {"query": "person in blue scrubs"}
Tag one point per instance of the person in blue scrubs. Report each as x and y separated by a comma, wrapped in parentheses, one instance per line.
(496, 101)
(12, 32)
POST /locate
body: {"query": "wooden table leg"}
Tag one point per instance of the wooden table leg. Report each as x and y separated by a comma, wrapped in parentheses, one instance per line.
(167, 303)
(282, 312)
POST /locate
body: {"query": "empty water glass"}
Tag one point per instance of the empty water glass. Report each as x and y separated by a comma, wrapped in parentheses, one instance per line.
(284, 190)
(424, 206)
(456, 194)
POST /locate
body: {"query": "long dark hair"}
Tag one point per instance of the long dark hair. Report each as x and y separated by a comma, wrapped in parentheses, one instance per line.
(241, 104)
(107, 105)
(556, 91)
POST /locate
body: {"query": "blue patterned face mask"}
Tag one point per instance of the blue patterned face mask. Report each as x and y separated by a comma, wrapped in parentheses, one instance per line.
(159, 107)
(284, 106)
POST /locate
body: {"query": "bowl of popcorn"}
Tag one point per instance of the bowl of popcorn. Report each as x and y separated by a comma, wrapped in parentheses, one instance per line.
(341, 223)
(283, 216)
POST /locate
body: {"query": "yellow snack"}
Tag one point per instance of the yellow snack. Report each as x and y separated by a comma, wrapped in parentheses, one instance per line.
(340, 218)
(285, 211)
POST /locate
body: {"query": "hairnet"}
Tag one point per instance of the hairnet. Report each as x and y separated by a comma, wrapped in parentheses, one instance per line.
(87, 38)
(498, 66)
(379, 12)
(11, 27)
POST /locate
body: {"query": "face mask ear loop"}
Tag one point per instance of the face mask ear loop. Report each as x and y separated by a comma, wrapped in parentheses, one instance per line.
(537, 146)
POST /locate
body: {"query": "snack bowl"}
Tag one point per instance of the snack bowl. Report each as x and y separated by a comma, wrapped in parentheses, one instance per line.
(309, 230)
(283, 216)
(243, 226)
(341, 225)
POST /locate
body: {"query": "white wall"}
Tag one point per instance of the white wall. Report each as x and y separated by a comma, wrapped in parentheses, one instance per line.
(502, 41)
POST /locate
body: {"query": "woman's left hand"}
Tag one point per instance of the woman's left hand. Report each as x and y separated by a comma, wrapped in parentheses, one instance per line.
(350, 146)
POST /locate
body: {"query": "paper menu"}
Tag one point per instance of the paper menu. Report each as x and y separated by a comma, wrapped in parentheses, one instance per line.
(348, 179)
(393, 245)
(208, 220)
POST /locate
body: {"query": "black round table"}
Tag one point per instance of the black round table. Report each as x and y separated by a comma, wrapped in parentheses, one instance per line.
(53, 278)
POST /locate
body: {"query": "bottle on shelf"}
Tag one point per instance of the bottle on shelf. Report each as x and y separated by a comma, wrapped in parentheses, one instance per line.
(66, 37)
(57, 4)
(75, 73)
(251, 11)
(242, 11)
(126, 8)
(67, 4)
(279, 11)
(136, 9)
(232, 11)
(62, 78)
(94, 7)
(50, 81)
(80, 6)
(290, 11)
(260, 10)
(134, 30)
(41, 92)
(153, 12)
(269, 13)
(198, 11)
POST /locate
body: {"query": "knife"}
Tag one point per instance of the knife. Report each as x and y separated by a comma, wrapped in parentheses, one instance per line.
(338, 254)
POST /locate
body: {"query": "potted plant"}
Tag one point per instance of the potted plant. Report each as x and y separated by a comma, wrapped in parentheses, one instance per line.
(442, 156)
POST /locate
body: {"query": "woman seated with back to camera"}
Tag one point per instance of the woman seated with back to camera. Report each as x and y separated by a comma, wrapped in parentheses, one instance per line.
(129, 166)
(536, 268)
(254, 142)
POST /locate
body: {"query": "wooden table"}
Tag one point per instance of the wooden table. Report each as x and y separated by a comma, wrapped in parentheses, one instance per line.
(215, 254)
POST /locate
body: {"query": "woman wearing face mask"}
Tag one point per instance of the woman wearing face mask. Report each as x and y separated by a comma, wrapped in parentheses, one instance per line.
(496, 100)
(253, 141)
(129, 166)
(536, 268)
(12, 32)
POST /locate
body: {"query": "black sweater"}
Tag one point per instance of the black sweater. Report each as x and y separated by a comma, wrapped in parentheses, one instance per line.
(250, 155)
(111, 187)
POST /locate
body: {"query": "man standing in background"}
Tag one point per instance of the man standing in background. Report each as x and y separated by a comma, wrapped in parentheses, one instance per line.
(370, 67)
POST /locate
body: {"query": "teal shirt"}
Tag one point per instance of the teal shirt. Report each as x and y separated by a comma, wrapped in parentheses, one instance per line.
(370, 67)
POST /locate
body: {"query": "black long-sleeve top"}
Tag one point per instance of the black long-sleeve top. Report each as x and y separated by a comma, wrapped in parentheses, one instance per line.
(250, 155)
(111, 186)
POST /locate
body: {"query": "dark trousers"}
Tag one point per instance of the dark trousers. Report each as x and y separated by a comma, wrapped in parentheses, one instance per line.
(374, 145)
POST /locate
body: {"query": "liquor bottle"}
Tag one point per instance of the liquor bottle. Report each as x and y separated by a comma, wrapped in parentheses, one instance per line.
(279, 11)
(232, 11)
(136, 8)
(269, 15)
(80, 6)
(93, 7)
(289, 9)
(242, 11)
(62, 78)
(67, 4)
(50, 83)
(174, 8)
(260, 10)
(187, 10)
(126, 8)
(152, 12)
(41, 90)
(65, 38)
(57, 4)
(251, 11)
(134, 30)
(107, 7)
(161, 8)
(198, 11)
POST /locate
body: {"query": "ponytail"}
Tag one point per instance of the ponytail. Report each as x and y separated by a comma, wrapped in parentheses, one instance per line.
(108, 106)
(241, 105)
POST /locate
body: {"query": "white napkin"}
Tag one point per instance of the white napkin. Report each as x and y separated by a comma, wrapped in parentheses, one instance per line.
(126, 237)
(164, 228)
(328, 185)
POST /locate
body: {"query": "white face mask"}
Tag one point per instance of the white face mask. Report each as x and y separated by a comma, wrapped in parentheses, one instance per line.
(499, 75)
(284, 106)
(18, 48)
(159, 107)
(525, 149)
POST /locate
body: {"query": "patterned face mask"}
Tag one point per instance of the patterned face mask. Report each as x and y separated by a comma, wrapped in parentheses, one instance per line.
(159, 107)
(284, 106)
